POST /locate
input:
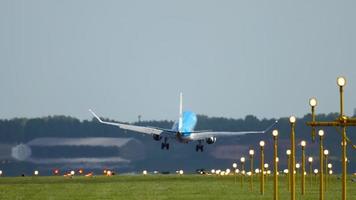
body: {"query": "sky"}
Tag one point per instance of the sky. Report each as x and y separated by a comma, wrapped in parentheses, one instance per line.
(128, 58)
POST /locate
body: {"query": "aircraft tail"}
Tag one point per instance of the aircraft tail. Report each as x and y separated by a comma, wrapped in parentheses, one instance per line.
(180, 123)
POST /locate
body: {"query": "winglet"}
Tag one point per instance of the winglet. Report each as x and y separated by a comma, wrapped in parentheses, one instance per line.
(271, 126)
(96, 116)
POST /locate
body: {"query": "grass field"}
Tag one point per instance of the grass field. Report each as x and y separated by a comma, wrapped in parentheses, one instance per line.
(157, 187)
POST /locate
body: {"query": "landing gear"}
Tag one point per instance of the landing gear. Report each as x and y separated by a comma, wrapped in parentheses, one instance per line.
(199, 147)
(165, 144)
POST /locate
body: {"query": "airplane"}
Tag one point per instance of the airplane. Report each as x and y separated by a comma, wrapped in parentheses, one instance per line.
(182, 130)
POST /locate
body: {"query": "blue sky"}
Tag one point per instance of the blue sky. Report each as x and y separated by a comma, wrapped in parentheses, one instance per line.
(130, 58)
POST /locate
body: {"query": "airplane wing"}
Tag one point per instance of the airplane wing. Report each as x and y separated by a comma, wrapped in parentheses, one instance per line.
(201, 135)
(141, 129)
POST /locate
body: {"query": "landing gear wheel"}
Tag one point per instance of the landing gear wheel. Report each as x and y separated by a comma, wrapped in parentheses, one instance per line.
(199, 148)
(165, 146)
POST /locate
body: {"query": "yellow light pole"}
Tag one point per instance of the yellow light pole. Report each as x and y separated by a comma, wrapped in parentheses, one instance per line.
(288, 152)
(262, 180)
(329, 170)
(310, 160)
(303, 144)
(242, 160)
(234, 165)
(321, 174)
(275, 157)
(292, 120)
(326, 153)
(343, 122)
(251, 152)
(316, 171)
(286, 172)
(313, 103)
(297, 167)
(265, 172)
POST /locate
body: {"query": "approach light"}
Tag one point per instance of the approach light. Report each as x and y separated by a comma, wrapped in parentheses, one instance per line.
(330, 165)
(213, 171)
(181, 172)
(341, 81)
(72, 172)
(303, 143)
(330, 172)
(321, 133)
(251, 152)
(234, 165)
(313, 102)
(144, 172)
(297, 165)
(237, 171)
(292, 119)
(288, 152)
(36, 172)
(262, 143)
(228, 171)
(326, 152)
(0, 172)
(286, 171)
(275, 133)
(310, 159)
(266, 165)
(242, 159)
(316, 171)
(257, 171)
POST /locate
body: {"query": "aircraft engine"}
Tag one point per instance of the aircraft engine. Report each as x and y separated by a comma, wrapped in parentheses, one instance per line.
(211, 140)
(157, 137)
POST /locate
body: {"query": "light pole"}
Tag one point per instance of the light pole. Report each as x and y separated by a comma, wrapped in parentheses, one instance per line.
(297, 167)
(242, 160)
(313, 103)
(303, 144)
(234, 165)
(310, 160)
(321, 174)
(316, 171)
(326, 153)
(328, 175)
(343, 122)
(262, 180)
(266, 172)
(292, 120)
(251, 152)
(275, 157)
(288, 152)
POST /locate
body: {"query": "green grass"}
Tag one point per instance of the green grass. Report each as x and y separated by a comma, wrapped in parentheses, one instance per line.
(158, 187)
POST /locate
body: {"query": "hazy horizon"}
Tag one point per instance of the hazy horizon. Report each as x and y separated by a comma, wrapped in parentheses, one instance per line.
(124, 59)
